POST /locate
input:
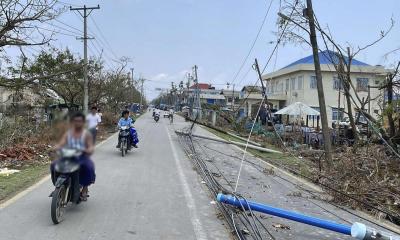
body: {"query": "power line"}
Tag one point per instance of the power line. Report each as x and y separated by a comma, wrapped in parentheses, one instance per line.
(64, 29)
(56, 31)
(253, 44)
(67, 25)
(105, 39)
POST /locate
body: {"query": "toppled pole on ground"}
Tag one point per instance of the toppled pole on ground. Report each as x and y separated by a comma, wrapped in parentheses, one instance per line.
(243, 139)
(357, 230)
(261, 149)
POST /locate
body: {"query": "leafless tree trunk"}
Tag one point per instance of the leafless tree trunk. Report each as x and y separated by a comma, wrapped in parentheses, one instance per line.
(320, 87)
(389, 85)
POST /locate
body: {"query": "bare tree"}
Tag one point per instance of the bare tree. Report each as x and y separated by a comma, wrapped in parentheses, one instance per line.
(19, 20)
(392, 81)
(340, 56)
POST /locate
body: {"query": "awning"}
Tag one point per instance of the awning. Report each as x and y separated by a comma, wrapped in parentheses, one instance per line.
(298, 109)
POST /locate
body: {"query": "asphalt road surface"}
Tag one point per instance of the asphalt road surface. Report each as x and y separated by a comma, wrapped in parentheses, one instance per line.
(152, 193)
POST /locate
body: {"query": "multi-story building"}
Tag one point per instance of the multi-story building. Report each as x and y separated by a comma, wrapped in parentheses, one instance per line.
(207, 94)
(232, 97)
(297, 83)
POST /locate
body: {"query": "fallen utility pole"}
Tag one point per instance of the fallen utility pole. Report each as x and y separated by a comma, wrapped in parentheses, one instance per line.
(261, 149)
(356, 230)
(243, 139)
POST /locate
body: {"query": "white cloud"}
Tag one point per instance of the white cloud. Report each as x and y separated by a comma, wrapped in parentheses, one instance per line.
(160, 77)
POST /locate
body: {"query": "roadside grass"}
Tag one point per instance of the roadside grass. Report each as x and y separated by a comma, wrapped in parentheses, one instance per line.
(12, 184)
(30, 174)
(284, 161)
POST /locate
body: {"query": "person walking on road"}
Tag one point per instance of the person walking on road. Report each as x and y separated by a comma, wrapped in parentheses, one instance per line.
(93, 121)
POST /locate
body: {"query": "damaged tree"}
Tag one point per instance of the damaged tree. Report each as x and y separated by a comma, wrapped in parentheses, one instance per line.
(19, 21)
(392, 81)
(340, 57)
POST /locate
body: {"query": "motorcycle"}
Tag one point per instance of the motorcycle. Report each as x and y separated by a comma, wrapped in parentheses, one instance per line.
(67, 188)
(156, 117)
(124, 133)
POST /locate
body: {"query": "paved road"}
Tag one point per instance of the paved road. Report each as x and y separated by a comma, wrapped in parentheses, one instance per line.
(260, 182)
(152, 193)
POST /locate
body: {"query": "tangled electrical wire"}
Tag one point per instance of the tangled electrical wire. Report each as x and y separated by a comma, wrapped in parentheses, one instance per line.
(243, 222)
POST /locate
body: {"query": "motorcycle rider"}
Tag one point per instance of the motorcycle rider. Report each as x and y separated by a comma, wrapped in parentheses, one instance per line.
(77, 137)
(127, 121)
(171, 113)
(157, 112)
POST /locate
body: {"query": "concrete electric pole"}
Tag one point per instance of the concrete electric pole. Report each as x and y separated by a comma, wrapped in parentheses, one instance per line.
(197, 102)
(133, 81)
(85, 12)
(141, 93)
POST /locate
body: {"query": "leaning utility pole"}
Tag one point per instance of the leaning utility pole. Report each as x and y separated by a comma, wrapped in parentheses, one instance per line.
(197, 94)
(320, 88)
(85, 14)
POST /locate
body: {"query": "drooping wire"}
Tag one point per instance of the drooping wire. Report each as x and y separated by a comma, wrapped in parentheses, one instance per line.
(253, 44)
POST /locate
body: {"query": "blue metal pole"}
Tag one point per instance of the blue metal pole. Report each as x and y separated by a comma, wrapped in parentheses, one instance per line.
(317, 222)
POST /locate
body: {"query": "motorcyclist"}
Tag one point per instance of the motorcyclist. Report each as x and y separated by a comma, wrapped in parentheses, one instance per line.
(127, 121)
(157, 112)
(171, 113)
(77, 137)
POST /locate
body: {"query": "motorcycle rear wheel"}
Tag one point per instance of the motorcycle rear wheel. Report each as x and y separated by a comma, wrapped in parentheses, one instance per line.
(58, 205)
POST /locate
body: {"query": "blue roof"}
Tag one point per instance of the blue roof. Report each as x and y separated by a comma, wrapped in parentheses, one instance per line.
(325, 57)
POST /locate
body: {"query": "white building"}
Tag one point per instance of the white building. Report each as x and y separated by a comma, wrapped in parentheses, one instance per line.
(297, 83)
(250, 97)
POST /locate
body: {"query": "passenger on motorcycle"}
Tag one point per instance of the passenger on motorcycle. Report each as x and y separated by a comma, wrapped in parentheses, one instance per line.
(127, 121)
(77, 137)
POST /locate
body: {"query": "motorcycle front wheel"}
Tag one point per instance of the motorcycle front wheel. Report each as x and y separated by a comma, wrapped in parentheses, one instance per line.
(123, 148)
(58, 204)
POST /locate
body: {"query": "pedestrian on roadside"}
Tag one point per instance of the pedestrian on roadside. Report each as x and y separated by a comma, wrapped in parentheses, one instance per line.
(100, 114)
(93, 120)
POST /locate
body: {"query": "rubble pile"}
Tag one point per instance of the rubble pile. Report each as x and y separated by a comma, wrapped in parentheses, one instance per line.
(22, 154)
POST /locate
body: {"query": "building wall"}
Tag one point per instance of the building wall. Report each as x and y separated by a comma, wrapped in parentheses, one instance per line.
(300, 89)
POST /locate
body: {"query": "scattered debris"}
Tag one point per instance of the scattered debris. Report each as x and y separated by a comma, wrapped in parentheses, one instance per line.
(295, 194)
(216, 174)
(269, 171)
(281, 226)
(7, 172)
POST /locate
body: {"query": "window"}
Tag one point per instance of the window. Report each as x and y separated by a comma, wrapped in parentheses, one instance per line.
(337, 114)
(292, 83)
(287, 84)
(337, 83)
(313, 82)
(300, 82)
(362, 84)
(280, 87)
(277, 89)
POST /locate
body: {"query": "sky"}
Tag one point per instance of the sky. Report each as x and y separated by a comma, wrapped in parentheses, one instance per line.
(165, 38)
